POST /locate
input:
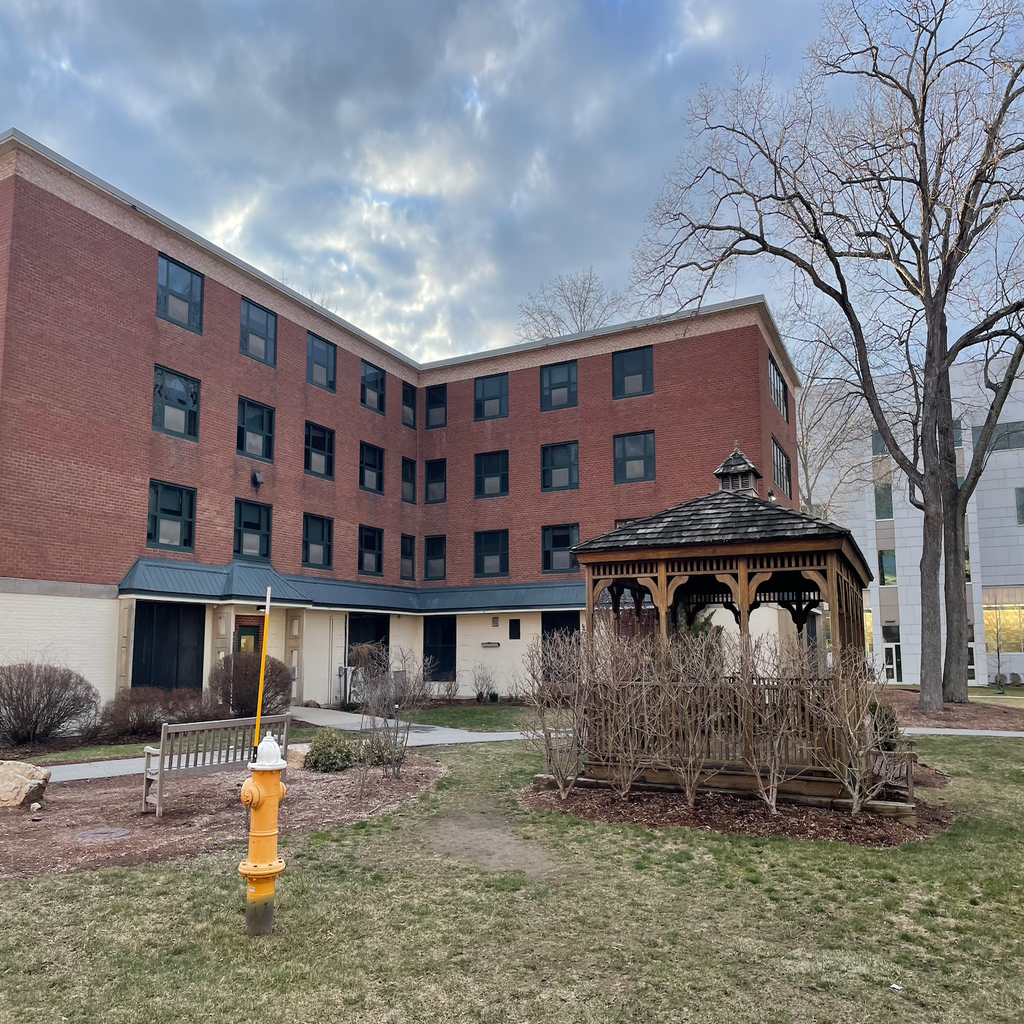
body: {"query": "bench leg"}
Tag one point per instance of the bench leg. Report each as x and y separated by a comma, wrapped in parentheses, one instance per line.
(160, 795)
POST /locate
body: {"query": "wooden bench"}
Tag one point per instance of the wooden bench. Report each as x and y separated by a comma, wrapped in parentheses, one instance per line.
(197, 748)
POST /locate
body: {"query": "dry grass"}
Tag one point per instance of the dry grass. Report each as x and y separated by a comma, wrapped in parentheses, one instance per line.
(621, 924)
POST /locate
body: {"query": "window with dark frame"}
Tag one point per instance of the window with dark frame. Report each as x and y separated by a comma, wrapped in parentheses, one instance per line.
(371, 551)
(408, 405)
(557, 543)
(255, 430)
(634, 457)
(491, 397)
(778, 387)
(633, 372)
(179, 294)
(437, 406)
(490, 553)
(434, 558)
(781, 469)
(436, 471)
(559, 467)
(175, 403)
(371, 468)
(319, 457)
(372, 387)
(172, 517)
(321, 362)
(887, 568)
(515, 631)
(252, 530)
(259, 333)
(883, 501)
(317, 541)
(1018, 494)
(878, 447)
(491, 476)
(408, 569)
(409, 481)
(558, 386)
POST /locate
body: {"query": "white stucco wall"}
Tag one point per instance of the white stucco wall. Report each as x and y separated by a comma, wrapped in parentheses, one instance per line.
(505, 660)
(316, 657)
(406, 634)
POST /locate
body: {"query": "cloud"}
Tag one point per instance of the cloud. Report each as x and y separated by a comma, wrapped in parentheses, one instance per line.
(425, 165)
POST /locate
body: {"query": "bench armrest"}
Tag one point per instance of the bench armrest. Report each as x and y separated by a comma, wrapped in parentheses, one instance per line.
(151, 750)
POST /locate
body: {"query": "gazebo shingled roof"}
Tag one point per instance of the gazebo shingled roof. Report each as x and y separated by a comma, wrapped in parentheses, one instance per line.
(732, 549)
(737, 463)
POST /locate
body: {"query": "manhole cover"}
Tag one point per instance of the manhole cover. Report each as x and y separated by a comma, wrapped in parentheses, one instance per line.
(102, 835)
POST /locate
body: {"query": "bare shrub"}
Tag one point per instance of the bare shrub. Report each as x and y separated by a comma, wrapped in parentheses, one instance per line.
(383, 694)
(447, 689)
(412, 678)
(40, 701)
(140, 712)
(554, 686)
(235, 683)
(484, 682)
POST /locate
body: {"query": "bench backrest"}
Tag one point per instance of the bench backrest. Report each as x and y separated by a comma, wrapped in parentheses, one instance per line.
(196, 747)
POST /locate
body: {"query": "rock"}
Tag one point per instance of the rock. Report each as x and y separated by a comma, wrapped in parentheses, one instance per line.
(36, 807)
(297, 754)
(21, 784)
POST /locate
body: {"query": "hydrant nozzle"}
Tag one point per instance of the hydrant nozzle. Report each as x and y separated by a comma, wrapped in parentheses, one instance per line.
(262, 794)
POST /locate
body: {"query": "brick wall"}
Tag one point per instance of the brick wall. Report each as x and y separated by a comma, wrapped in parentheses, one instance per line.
(77, 450)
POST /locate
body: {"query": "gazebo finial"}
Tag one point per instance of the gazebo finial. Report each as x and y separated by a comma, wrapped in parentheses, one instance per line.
(738, 474)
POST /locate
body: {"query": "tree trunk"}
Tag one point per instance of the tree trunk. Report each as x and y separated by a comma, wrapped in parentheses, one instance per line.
(931, 606)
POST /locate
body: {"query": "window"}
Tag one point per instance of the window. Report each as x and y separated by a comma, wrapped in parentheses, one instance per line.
(408, 557)
(252, 530)
(371, 468)
(633, 372)
(886, 568)
(557, 542)
(172, 517)
(878, 444)
(434, 558)
(883, 501)
(559, 467)
(1007, 437)
(317, 536)
(259, 333)
(255, 430)
(781, 469)
(778, 387)
(515, 631)
(490, 552)
(491, 397)
(408, 405)
(371, 388)
(437, 481)
(179, 295)
(634, 457)
(491, 475)
(175, 403)
(371, 551)
(958, 434)
(1019, 494)
(319, 451)
(967, 563)
(891, 634)
(558, 386)
(321, 361)
(409, 481)
(437, 406)
(1002, 609)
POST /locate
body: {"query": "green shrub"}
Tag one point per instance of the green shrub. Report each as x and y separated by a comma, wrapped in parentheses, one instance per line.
(330, 751)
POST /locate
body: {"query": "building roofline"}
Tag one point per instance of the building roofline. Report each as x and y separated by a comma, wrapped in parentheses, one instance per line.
(12, 137)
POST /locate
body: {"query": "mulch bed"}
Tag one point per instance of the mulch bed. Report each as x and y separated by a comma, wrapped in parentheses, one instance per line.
(954, 716)
(201, 813)
(717, 812)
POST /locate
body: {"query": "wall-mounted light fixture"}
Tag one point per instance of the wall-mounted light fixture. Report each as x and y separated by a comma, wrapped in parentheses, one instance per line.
(257, 479)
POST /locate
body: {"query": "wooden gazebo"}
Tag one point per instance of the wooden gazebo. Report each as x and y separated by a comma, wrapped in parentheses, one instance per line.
(734, 549)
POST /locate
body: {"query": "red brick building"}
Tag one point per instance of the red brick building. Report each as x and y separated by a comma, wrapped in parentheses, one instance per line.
(178, 430)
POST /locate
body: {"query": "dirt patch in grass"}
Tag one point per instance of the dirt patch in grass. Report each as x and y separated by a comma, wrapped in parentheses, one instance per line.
(716, 812)
(954, 716)
(200, 813)
(929, 778)
(487, 841)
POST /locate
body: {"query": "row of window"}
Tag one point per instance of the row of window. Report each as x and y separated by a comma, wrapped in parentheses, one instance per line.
(180, 301)
(172, 520)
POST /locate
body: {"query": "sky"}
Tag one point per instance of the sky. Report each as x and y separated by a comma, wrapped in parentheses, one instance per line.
(424, 164)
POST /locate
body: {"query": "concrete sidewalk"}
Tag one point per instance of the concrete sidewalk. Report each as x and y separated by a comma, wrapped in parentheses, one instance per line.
(924, 730)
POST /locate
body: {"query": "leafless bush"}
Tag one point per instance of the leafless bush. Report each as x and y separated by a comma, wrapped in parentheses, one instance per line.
(140, 712)
(448, 689)
(40, 701)
(412, 678)
(235, 683)
(484, 683)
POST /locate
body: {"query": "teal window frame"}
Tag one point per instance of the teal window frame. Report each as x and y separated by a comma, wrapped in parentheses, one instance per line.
(488, 466)
(177, 284)
(317, 530)
(259, 323)
(488, 390)
(184, 400)
(782, 469)
(409, 481)
(436, 401)
(887, 570)
(319, 442)
(408, 405)
(625, 452)
(371, 460)
(171, 503)
(552, 384)
(883, 501)
(407, 569)
(489, 544)
(255, 420)
(373, 387)
(628, 365)
(556, 457)
(435, 549)
(555, 540)
(321, 354)
(252, 519)
(371, 542)
(435, 482)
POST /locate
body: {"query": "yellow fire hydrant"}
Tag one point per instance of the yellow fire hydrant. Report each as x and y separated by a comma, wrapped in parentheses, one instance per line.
(262, 794)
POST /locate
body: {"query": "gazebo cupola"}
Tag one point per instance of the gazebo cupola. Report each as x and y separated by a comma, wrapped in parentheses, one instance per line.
(738, 474)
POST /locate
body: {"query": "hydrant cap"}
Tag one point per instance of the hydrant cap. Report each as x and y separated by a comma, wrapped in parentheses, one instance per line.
(268, 756)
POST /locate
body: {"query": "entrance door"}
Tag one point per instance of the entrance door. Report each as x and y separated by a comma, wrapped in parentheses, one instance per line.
(893, 663)
(439, 636)
(247, 638)
(169, 640)
(559, 622)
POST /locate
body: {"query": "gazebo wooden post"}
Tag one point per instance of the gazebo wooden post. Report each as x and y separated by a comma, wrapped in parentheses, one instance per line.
(832, 585)
(743, 599)
(590, 603)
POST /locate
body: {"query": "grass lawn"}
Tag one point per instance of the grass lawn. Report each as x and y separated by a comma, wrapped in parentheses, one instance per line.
(626, 925)
(474, 717)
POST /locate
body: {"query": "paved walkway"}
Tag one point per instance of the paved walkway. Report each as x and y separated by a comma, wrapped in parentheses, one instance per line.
(419, 736)
(990, 733)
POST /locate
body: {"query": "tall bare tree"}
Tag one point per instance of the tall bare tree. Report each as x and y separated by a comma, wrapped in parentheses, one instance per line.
(889, 183)
(569, 304)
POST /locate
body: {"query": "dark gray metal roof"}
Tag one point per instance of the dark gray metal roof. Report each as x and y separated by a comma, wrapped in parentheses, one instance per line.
(248, 581)
(723, 517)
(737, 463)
